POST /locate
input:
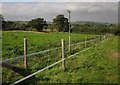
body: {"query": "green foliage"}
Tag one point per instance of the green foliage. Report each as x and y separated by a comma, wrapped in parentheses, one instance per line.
(61, 23)
(95, 28)
(38, 24)
(52, 28)
(14, 25)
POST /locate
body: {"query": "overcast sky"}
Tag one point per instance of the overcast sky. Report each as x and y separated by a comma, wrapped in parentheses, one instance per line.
(80, 11)
(60, 0)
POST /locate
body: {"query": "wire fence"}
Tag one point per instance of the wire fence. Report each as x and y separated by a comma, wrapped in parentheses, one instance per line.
(45, 59)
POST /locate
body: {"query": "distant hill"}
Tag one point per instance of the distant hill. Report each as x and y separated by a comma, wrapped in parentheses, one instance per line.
(76, 22)
(88, 22)
(84, 22)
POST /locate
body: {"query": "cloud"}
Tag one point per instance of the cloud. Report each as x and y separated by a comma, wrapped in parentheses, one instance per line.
(17, 0)
(0, 8)
(76, 0)
(60, 0)
(92, 11)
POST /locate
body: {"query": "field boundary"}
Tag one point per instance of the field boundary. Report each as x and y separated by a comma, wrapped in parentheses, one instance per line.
(53, 64)
(32, 54)
(48, 67)
(93, 40)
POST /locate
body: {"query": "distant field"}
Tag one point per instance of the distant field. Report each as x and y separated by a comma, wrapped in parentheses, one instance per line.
(89, 66)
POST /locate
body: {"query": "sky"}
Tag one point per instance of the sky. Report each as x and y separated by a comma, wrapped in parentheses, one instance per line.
(60, 0)
(22, 10)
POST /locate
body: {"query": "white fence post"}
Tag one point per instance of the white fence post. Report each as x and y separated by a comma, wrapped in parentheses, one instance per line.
(63, 55)
(25, 52)
(69, 45)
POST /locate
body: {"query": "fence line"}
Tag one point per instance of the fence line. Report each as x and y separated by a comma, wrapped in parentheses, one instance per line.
(32, 54)
(48, 67)
(79, 52)
(13, 59)
(83, 42)
(62, 60)
(36, 72)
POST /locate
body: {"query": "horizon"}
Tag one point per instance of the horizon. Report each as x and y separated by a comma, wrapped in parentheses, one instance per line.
(71, 22)
(80, 11)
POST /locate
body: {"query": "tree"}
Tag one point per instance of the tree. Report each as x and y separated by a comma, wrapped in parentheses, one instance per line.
(9, 25)
(38, 24)
(61, 23)
(2, 22)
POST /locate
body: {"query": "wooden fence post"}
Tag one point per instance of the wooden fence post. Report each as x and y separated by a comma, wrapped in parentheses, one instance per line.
(85, 41)
(25, 52)
(69, 44)
(63, 55)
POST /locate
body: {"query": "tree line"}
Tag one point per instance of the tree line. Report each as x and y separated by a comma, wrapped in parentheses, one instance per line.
(60, 24)
(96, 28)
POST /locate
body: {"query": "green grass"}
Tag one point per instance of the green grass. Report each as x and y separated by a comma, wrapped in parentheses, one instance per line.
(12, 45)
(79, 68)
(96, 65)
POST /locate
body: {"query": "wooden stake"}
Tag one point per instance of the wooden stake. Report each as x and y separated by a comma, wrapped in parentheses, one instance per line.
(63, 55)
(25, 52)
(69, 44)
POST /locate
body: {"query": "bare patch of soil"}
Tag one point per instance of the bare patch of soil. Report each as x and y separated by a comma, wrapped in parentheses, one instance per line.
(114, 54)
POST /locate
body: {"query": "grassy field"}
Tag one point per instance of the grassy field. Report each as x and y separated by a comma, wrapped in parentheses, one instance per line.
(94, 65)
(12, 46)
